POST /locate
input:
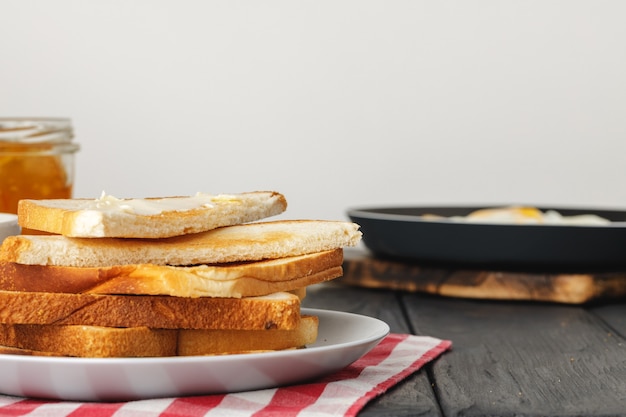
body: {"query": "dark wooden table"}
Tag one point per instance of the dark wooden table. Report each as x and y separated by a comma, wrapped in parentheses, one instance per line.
(508, 358)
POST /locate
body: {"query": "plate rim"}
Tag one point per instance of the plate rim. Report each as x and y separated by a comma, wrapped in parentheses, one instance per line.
(329, 357)
(161, 360)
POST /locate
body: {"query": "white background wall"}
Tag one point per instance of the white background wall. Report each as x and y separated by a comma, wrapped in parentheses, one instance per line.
(334, 103)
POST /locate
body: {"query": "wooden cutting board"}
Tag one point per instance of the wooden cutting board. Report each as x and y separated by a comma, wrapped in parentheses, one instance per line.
(365, 270)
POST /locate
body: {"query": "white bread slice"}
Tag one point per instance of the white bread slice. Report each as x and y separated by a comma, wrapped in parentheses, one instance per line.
(148, 217)
(107, 342)
(236, 280)
(248, 242)
(274, 311)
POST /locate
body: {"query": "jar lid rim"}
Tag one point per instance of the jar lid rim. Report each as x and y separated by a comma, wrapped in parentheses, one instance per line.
(35, 130)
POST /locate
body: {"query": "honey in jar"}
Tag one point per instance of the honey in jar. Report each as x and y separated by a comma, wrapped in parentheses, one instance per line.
(36, 160)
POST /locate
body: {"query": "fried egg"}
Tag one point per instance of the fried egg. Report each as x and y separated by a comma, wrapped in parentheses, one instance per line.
(528, 215)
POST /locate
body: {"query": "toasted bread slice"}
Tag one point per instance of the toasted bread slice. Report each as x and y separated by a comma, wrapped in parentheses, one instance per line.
(248, 242)
(275, 311)
(243, 279)
(89, 341)
(213, 342)
(147, 217)
(107, 342)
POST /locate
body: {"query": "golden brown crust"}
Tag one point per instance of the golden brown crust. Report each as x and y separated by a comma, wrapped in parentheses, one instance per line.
(205, 342)
(240, 287)
(278, 311)
(90, 341)
(10, 249)
(106, 342)
(223, 280)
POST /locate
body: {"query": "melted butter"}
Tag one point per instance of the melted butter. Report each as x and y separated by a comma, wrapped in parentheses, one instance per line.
(154, 206)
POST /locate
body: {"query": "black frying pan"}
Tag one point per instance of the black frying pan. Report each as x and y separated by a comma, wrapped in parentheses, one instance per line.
(401, 232)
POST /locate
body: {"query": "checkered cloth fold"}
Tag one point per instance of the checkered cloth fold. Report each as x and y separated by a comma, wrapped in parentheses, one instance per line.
(343, 393)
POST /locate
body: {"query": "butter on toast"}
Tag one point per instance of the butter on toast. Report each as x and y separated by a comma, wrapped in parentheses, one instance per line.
(161, 277)
(147, 217)
(246, 242)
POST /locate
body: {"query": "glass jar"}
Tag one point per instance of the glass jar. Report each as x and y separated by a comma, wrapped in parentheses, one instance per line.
(36, 160)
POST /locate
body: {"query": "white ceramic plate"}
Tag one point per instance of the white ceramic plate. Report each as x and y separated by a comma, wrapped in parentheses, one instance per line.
(342, 339)
(8, 225)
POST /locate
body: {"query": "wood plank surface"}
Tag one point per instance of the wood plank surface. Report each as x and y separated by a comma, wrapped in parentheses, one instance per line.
(614, 315)
(514, 358)
(414, 396)
(509, 358)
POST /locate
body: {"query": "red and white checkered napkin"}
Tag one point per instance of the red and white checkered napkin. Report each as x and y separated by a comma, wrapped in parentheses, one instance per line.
(341, 394)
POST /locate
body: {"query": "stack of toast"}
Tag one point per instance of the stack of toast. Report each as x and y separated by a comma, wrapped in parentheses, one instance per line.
(175, 276)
